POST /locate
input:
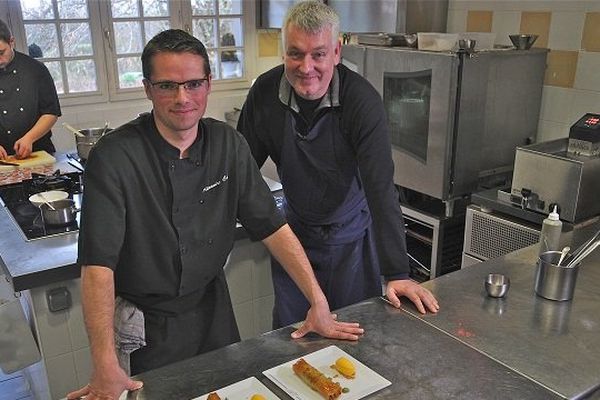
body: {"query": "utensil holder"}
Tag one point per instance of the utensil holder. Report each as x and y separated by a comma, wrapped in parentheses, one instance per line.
(555, 282)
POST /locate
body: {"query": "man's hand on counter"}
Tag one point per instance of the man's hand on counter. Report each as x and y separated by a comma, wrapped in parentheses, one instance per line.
(324, 323)
(106, 383)
(422, 298)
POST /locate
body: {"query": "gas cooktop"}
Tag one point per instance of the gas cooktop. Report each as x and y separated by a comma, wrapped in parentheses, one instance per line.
(27, 216)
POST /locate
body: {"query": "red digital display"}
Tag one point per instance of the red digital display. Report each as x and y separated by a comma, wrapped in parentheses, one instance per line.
(592, 121)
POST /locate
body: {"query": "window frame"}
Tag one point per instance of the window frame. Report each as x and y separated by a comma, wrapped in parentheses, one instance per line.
(105, 57)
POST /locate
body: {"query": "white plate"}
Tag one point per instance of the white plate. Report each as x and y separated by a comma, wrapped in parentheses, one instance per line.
(52, 195)
(242, 390)
(366, 381)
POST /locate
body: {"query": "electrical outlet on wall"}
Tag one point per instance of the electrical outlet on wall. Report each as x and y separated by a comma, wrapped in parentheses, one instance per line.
(58, 299)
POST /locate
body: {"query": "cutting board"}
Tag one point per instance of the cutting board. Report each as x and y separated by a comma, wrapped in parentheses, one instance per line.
(36, 159)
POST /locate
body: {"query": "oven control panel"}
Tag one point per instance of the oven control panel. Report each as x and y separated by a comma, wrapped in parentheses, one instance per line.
(586, 128)
(584, 136)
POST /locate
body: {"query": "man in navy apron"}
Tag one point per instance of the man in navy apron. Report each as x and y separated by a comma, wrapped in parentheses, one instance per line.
(324, 126)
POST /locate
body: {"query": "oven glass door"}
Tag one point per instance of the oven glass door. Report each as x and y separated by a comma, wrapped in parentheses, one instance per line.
(419, 93)
(406, 98)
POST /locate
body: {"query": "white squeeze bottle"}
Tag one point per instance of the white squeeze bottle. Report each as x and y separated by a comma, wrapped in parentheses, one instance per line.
(551, 229)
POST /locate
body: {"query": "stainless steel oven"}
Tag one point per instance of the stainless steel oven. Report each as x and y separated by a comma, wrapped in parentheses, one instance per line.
(455, 120)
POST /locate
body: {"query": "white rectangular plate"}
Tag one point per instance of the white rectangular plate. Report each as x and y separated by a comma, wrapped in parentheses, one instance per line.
(242, 390)
(366, 381)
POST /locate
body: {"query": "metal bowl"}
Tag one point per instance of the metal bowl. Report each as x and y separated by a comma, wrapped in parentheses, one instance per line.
(523, 41)
(497, 285)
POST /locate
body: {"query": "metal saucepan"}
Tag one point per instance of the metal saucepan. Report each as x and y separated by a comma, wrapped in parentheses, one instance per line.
(88, 139)
(64, 212)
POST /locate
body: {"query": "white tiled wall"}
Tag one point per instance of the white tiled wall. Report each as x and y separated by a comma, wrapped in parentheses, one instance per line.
(62, 339)
(505, 23)
(248, 273)
(561, 106)
(62, 377)
(566, 30)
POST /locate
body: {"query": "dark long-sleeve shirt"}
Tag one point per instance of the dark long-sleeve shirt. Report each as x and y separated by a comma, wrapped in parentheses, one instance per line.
(363, 125)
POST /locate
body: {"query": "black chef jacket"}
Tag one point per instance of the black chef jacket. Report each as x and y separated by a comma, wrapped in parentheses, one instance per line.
(26, 92)
(166, 225)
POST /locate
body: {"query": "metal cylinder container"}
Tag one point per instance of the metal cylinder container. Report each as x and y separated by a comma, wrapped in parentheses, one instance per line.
(555, 282)
(64, 212)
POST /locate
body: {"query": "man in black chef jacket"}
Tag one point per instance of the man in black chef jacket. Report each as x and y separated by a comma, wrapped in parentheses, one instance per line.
(29, 104)
(161, 200)
(325, 128)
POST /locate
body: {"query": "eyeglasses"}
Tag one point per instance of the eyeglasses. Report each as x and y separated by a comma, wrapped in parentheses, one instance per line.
(170, 87)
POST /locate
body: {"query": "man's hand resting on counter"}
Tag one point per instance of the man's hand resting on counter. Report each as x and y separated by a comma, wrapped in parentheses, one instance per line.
(108, 383)
(422, 298)
(321, 321)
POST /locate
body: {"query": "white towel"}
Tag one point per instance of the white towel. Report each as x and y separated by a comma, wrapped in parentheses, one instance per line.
(129, 331)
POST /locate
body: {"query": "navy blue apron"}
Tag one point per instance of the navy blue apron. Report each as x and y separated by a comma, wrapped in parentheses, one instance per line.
(327, 209)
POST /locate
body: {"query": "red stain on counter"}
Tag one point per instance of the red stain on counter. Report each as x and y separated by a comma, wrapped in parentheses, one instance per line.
(461, 331)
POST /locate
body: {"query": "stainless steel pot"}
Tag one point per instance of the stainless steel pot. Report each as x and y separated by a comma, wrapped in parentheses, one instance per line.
(64, 212)
(88, 139)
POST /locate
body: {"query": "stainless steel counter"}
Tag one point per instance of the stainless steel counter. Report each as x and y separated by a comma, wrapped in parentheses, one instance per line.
(476, 347)
(420, 361)
(553, 343)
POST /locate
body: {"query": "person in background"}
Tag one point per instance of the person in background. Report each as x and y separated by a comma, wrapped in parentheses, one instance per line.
(325, 129)
(29, 105)
(162, 197)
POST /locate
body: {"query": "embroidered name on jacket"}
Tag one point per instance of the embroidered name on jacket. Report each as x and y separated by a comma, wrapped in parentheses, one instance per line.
(217, 183)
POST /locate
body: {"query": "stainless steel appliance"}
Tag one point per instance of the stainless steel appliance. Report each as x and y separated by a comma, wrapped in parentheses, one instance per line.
(27, 217)
(455, 118)
(490, 234)
(402, 16)
(503, 220)
(270, 13)
(547, 173)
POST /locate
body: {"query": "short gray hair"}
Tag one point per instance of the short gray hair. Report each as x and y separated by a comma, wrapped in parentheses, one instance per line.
(312, 17)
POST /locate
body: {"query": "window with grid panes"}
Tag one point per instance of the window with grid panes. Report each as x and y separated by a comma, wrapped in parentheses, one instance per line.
(58, 34)
(134, 23)
(219, 25)
(94, 46)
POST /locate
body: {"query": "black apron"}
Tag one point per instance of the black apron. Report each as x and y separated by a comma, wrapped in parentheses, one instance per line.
(201, 320)
(327, 209)
(172, 337)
